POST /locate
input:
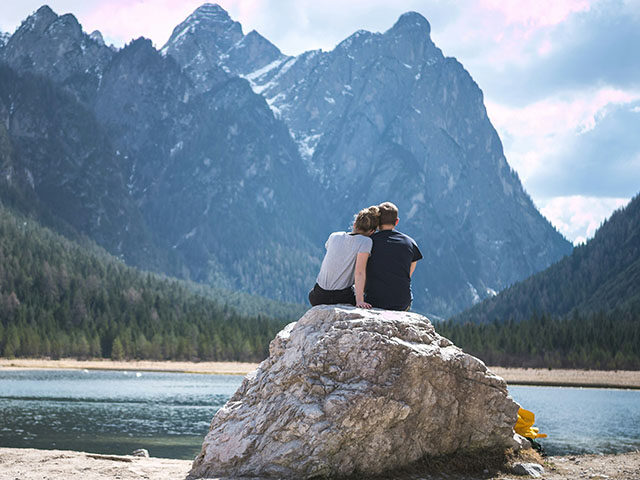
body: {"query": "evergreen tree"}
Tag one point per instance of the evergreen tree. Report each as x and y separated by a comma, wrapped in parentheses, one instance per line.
(117, 352)
(62, 299)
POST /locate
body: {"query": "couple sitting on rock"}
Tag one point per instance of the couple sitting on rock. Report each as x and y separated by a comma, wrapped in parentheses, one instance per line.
(380, 263)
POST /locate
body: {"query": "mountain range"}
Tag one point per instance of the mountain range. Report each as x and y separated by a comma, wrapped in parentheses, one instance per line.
(219, 159)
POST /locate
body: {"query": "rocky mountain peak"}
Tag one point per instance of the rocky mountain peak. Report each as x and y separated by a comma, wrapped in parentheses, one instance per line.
(410, 42)
(251, 53)
(380, 110)
(4, 38)
(67, 24)
(46, 22)
(40, 20)
(210, 21)
(412, 21)
(44, 19)
(56, 46)
(138, 55)
(45, 11)
(355, 38)
(96, 36)
(211, 11)
(387, 109)
(254, 37)
(140, 45)
(209, 45)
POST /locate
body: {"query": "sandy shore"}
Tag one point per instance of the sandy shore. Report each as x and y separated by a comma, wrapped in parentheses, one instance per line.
(581, 378)
(218, 368)
(30, 464)
(513, 376)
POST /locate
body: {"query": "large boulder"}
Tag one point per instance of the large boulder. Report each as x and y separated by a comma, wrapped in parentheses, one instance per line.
(348, 391)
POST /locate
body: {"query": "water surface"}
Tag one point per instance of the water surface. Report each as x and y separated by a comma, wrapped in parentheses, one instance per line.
(110, 411)
(169, 413)
(583, 420)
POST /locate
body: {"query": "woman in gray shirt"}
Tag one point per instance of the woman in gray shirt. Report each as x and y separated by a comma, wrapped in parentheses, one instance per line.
(345, 263)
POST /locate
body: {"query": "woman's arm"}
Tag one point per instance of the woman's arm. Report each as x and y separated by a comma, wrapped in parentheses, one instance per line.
(361, 277)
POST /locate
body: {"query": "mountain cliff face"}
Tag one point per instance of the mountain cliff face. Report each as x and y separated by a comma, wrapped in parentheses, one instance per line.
(239, 160)
(207, 168)
(57, 162)
(209, 173)
(388, 117)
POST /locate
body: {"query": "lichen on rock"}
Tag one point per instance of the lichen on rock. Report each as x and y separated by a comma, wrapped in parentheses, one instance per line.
(348, 391)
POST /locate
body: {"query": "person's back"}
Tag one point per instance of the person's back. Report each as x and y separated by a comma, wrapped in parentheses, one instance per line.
(338, 266)
(393, 259)
(345, 263)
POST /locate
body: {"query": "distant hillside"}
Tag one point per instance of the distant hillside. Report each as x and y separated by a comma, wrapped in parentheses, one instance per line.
(583, 311)
(59, 298)
(599, 276)
(221, 160)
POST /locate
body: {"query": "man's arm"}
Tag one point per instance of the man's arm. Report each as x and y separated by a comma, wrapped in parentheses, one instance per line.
(413, 267)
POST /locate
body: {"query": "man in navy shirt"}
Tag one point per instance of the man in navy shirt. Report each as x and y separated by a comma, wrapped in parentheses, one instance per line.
(393, 259)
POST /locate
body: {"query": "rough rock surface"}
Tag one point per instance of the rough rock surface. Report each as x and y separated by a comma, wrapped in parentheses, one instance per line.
(347, 391)
(534, 470)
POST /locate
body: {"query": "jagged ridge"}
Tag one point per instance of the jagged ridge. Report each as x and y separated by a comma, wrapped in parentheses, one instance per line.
(211, 164)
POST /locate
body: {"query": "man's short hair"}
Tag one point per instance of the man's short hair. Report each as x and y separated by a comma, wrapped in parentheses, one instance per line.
(388, 213)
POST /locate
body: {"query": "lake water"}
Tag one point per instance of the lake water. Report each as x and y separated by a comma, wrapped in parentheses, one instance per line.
(169, 413)
(110, 412)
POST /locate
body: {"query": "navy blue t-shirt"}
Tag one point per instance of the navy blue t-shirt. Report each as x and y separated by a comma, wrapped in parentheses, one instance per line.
(388, 270)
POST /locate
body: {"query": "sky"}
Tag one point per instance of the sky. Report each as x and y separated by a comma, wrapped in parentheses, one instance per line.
(561, 78)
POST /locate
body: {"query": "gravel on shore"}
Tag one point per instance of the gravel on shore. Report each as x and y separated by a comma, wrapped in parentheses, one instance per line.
(31, 464)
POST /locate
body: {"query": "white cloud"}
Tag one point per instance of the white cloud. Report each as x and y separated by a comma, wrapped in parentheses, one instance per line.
(539, 135)
(536, 13)
(495, 36)
(578, 217)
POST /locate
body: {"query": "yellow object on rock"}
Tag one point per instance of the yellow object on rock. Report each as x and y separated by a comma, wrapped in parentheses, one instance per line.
(524, 425)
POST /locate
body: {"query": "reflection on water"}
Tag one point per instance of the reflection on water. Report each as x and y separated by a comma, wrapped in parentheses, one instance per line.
(169, 413)
(110, 412)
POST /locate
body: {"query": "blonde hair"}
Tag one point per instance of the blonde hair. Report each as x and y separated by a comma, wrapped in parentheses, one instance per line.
(367, 219)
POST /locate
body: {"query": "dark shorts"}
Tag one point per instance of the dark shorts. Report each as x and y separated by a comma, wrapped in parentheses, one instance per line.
(398, 308)
(320, 296)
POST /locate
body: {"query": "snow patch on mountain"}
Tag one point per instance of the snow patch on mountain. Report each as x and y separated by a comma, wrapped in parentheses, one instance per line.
(255, 75)
(4, 38)
(474, 294)
(307, 144)
(416, 202)
(176, 148)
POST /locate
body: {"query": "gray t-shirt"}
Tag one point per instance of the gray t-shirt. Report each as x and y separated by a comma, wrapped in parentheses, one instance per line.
(339, 264)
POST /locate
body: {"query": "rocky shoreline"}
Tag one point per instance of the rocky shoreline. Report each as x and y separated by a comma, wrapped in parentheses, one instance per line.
(31, 464)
